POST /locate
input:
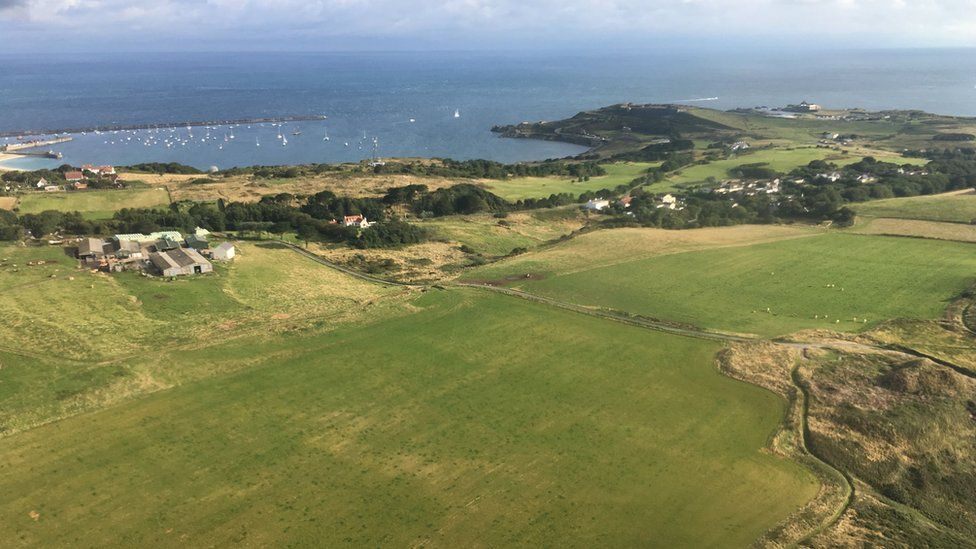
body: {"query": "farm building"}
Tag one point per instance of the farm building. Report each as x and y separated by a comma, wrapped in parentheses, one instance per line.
(166, 244)
(91, 249)
(224, 252)
(151, 237)
(197, 242)
(181, 261)
(596, 204)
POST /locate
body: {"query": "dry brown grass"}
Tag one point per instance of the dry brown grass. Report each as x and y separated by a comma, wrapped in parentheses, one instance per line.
(158, 179)
(426, 262)
(917, 228)
(761, 363)
(7, 202)
(247, 188)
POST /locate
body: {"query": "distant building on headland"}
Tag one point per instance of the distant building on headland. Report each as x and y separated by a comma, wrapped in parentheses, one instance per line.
(803, 107)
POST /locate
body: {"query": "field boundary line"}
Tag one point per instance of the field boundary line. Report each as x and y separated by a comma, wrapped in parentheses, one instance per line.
(806, 440)
(614, 316)
(332, 265)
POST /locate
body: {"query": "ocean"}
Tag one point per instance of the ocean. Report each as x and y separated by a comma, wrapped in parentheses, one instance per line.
(404, 104)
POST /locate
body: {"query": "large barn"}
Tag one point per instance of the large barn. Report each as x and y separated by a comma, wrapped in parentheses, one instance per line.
(181, 261)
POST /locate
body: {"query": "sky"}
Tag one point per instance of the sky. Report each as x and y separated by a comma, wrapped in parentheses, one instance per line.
(338, 25)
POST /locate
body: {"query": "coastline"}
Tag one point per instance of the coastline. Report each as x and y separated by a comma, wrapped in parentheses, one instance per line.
(4, 158)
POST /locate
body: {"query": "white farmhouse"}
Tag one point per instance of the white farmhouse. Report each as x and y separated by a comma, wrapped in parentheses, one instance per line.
(596, 204)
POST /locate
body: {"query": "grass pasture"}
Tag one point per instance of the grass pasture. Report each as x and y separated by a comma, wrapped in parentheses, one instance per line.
(94, 204)
(539, 187)
(480, 419)
(956, 206)
(781, 160)
(937, 230)
(68, 312)
(837, 277)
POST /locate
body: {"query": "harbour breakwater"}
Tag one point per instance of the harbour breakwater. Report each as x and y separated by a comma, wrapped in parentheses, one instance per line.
(163, 125)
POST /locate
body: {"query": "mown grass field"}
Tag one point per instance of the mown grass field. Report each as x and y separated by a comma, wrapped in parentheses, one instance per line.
(768, 289)
(937, 230)
(538, 187)
(96, 204)
(479, 419)
(957, 206)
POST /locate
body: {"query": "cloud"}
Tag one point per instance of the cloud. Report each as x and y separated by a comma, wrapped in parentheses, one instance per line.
(454, 23)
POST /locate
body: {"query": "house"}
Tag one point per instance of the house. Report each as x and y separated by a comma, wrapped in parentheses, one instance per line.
(91, 249)
(105, 170)
(866, 178)
(41, 183)
(625, 201)
(79, 185)
(197, 242)
(179, 262)
(88, 168)
(71, 177)
(596, 204)
(809, 107)
(358, 221)
(668, 201)
(739, 146)
(224, 252)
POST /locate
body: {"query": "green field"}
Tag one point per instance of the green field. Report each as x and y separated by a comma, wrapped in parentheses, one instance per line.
(96, 204)
(837, 277)
(539, 187)
(479, 419)
(781, 160)
(957, 206)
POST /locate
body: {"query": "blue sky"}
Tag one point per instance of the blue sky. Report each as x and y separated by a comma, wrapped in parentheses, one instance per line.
(328, 25)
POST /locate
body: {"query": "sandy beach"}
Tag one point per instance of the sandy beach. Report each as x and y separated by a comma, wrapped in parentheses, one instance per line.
(4, 157)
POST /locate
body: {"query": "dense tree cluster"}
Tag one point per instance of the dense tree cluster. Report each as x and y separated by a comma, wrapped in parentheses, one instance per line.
(657, 151)
(487, 169)
(818, 191)
(162, 168)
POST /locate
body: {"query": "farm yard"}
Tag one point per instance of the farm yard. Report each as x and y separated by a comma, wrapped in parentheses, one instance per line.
(94, 204)
(770, 289)
(537, 187)
(359, 425)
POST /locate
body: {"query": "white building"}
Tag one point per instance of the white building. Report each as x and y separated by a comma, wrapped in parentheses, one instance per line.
(224, 252)
(596, 204)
